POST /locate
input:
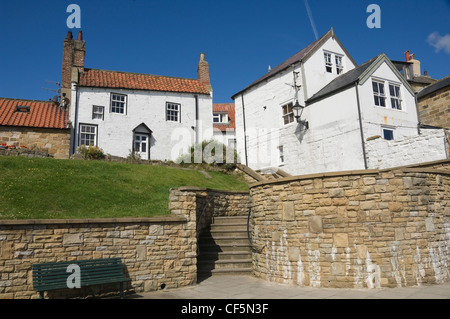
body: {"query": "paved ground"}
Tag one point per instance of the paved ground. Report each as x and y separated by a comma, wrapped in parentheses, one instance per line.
(248, 287)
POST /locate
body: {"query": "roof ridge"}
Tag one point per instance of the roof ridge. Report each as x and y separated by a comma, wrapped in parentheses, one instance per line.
(146, 74)
(28, 100)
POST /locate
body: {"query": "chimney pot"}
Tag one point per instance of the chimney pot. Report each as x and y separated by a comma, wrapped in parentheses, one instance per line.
(202, 57)
(69, 35)
(407, 55)
(80, 35)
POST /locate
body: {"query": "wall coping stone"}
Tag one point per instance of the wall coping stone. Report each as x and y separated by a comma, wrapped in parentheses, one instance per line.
(199, 189)
(413, 168)
(156, 219)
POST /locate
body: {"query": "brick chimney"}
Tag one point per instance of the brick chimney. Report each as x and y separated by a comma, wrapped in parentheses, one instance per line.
(74, 52)
(203, 72)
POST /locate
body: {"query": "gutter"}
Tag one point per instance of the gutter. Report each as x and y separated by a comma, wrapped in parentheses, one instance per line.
(360, 126)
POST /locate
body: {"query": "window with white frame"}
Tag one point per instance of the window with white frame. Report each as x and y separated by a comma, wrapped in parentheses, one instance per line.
(97, 112)
(281, 154)
(288, 114)
(173, 112)
(339, 65)
(388, 133)
(88, 135)
(394, 91)
(378, 93)
(328, 63)
(220, 118)
(118, 103)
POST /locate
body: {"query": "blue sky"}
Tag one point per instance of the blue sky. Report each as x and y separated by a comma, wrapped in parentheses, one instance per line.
(240, 38)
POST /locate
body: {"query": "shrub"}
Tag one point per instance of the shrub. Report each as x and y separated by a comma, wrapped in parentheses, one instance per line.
(91, 152)
(210, 152)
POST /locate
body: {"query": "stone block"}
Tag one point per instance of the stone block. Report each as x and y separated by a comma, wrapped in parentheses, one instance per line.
(338, 269)
(294, 253)
(340, 240)
(315, 224)
(288, 211)
(429, 224)
(72, 239)
(156, 230)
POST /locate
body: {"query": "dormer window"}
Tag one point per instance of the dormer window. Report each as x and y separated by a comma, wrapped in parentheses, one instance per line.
(220, 118)
(22, 109)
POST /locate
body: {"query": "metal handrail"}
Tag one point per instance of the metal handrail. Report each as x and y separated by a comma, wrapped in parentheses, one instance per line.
(248, 227)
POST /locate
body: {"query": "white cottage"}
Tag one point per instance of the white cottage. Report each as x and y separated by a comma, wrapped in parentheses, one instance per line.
(157, 117)
(352, 117)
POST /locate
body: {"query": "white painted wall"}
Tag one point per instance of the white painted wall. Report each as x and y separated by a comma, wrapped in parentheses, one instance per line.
(264, 122)
(314, 68)
(374, 117)
(426, 147)
(310, 152)
(168, 140)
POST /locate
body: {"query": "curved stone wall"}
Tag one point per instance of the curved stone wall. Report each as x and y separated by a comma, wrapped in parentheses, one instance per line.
(361, 229)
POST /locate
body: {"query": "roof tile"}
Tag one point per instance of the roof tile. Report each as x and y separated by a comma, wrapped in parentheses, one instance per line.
(137, 81)
(229, 108)
(42, 114)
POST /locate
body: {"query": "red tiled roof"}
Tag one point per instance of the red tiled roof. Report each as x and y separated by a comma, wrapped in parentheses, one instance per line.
(41, 114)
(228, 108)
(137, 81)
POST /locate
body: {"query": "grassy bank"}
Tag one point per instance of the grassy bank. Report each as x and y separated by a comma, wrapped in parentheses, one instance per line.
(48, 188)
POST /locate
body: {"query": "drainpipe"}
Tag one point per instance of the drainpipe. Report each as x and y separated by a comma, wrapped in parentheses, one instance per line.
(245, 130)
(196, 119)
(75, 124)
(418, 114)
(305, 90)
(360, 126)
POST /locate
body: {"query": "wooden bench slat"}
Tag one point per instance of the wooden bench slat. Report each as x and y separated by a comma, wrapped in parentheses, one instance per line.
(53, 275)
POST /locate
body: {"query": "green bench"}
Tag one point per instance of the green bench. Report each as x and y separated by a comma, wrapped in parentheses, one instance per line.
(52, 276)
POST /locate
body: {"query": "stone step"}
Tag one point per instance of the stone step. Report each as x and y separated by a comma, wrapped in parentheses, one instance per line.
(224, 264)
(224, 248)
(225, 271)
(224, 232)
(228, 227)
(219, 240)
(224, 255)
(230, 220)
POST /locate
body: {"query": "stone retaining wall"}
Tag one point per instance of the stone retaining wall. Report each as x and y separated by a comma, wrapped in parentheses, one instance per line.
(55, 141)
(157, 252)
(361, 229)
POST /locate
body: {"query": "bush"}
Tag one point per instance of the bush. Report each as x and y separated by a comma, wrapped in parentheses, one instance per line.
(210, 152)
(91, 152)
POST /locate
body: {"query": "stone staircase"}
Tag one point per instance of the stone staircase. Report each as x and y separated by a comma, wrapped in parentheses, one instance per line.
(224, 248)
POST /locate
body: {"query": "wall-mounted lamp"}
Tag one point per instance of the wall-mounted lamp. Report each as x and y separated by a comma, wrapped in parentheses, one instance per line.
(298, 111)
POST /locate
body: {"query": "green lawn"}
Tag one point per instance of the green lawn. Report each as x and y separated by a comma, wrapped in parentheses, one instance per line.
(48, 188)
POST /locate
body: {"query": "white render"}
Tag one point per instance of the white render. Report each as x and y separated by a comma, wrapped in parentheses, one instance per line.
(339, 123)
(168, 141)
(264, 125)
